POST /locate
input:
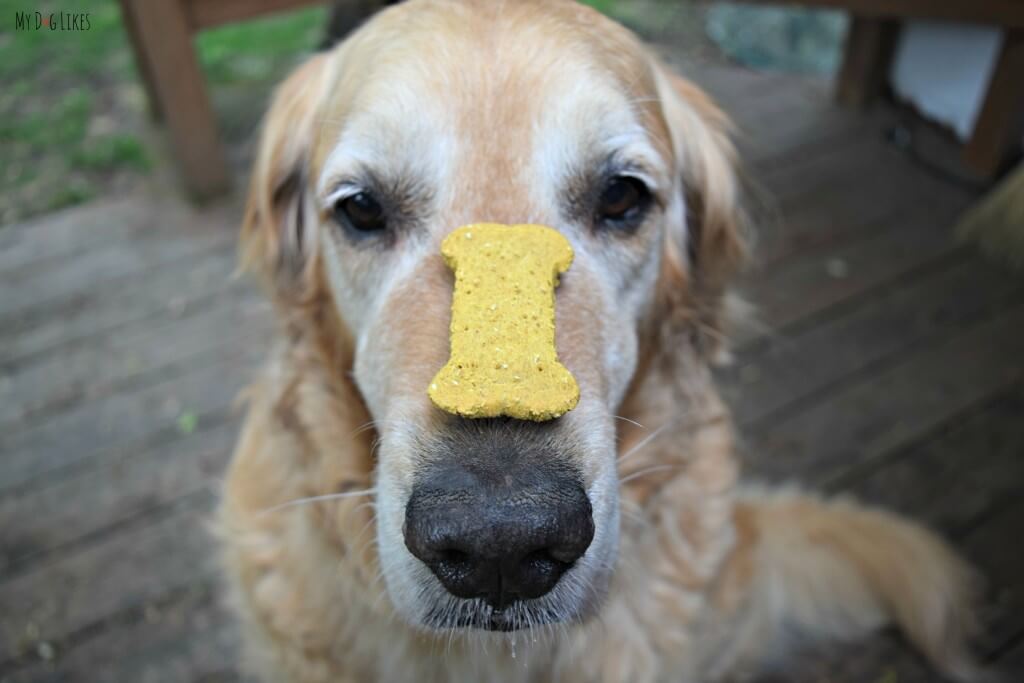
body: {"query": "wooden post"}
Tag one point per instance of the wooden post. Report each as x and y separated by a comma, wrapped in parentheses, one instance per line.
(165, 38)
(1000, 123)
(870, 43)
(142, 64)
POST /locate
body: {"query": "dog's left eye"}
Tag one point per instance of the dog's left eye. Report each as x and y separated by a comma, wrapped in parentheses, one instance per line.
(623, 200)
(360, 212)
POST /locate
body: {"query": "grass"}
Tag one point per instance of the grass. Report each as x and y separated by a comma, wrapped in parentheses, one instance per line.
(254, 51)
(47, 106)
(603, 6)
(72, 108)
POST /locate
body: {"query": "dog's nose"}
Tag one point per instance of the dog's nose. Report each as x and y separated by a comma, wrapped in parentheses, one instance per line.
(500, 538)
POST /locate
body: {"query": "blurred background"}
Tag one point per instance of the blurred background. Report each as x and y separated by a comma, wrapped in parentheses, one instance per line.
(881, 142)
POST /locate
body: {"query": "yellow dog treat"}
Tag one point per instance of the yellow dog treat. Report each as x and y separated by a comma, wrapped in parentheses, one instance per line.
(503, 359)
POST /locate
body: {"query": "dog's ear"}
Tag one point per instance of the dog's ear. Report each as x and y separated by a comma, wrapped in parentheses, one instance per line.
(700, 261)
(279, 231)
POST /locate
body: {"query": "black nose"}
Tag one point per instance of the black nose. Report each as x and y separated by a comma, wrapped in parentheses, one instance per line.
(498, 536)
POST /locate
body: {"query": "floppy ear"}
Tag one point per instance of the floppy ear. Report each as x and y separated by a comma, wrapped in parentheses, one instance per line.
(279, 235)
(699, 265)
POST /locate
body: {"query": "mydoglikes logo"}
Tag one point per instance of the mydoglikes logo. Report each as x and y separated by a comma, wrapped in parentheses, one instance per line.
(54, 21)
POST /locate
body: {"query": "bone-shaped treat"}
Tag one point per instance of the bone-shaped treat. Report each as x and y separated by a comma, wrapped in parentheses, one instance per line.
(503, 359)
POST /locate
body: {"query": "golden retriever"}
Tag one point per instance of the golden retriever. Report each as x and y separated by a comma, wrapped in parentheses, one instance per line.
(370, 537)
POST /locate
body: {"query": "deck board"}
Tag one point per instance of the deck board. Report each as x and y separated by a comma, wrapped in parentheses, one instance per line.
(954, 478)
(868, 417)
(49, 520)
(114, 264)
(31, 245)
(799, 289)
(175, 289)
(186, 637)
(885, 363)
(806, 362)
(66, 598)
(113, 362)
(89, 429)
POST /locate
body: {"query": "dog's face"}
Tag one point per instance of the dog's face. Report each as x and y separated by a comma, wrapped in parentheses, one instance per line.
(441, 114)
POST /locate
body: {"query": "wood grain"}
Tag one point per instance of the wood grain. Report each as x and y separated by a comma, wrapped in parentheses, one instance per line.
(870, 45)
(165, 36)
(996, 137)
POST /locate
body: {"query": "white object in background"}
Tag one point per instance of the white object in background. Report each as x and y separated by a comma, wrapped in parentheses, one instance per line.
(944, 70)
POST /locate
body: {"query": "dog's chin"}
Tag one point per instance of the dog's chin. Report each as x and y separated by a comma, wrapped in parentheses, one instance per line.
(476, 615)
(573, 601)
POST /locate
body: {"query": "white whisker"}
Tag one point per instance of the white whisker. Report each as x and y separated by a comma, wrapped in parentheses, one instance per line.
(377, 424)
(364, 427)
(626, 419)
(648, 470)
(646, 440)
(317, 499)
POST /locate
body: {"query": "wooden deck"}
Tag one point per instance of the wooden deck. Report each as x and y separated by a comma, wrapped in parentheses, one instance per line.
(889, 365)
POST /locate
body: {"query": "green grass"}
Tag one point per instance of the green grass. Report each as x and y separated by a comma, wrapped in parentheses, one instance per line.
(255, 50)
(603, 6)
(70, 110)
(110, 152)
(63, 123)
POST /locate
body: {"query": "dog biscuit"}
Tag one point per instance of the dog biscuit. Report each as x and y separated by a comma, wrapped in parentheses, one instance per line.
(503, 359)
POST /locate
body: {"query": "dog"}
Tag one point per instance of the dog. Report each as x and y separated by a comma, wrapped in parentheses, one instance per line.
(368, 536)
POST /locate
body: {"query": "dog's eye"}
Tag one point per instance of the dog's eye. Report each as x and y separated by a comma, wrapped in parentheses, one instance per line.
(361, 212)
(623, 200)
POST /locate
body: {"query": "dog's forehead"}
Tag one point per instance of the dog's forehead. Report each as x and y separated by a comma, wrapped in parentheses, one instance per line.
(523, 105)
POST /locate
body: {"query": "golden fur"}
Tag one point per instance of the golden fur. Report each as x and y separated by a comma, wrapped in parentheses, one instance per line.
(709, 581)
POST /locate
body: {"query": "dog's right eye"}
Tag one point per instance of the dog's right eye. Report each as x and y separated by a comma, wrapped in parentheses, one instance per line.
(623, 203)
(360, 212)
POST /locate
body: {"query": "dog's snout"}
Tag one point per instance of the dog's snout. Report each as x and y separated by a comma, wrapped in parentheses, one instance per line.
(507, 539)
